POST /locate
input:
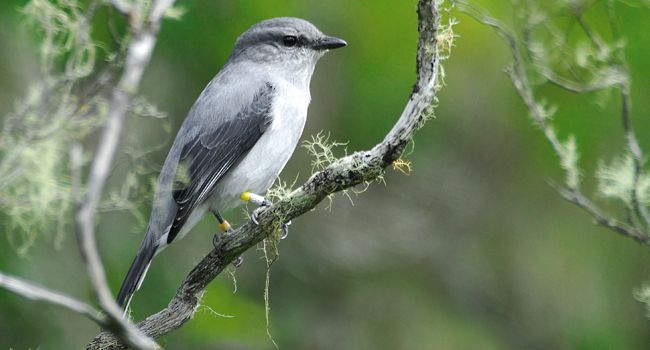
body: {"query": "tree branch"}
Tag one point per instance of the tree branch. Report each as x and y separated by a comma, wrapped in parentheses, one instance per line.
(571, 191)
(570, 85)
(144, 30)
(577, 198)
(32, 291)
(344, 173)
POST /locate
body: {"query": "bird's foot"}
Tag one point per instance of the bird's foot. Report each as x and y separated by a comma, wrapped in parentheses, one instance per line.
(263, 203)
(285, 226)
(258, 200)
(256, 213)
(218, 237)
(216, 242)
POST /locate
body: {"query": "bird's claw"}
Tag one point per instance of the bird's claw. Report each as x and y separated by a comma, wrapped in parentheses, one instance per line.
(216, 240)
(254, 215)
(238, 261)
(264, 204)
(285, 229)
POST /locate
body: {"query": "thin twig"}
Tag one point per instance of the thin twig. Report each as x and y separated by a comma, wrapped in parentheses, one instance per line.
(593, 36)
(583, 202)
(571, 85)
(33, 291)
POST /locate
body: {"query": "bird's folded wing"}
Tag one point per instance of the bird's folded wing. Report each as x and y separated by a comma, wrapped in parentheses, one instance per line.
(206, 158)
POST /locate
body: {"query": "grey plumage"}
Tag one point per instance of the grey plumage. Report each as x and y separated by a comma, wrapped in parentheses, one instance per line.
(208, 157)
(237, 136)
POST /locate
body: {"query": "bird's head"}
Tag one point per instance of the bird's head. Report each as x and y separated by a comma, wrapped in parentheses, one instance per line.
(290, 43)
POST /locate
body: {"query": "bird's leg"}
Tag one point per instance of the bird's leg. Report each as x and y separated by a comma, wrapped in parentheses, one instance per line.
(262, 203)
(225, 226)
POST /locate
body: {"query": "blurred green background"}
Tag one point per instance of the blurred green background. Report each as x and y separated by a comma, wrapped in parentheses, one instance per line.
(471, 251)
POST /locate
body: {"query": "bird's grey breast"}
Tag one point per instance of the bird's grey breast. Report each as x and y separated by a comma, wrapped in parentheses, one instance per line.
(266, 159)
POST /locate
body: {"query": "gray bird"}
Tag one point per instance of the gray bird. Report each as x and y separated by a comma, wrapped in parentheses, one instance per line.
(237, 136)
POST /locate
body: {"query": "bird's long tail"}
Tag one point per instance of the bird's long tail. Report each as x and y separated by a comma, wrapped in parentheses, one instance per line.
(136, 273)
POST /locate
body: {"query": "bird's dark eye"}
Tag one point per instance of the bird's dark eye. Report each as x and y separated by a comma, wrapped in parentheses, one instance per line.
(289, 40)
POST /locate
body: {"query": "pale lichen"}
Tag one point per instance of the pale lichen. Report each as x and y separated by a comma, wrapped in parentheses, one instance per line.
(66, 104)
(617, 180)
(321, 149)
(271, 255)
(569, 162)
(404, 166)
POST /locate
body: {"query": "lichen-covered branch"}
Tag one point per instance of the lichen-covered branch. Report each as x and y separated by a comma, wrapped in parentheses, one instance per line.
(624, 180)
(618, 61)
(343, 173)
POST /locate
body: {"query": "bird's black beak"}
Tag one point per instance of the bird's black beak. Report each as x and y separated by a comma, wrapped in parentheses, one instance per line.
(329, 43)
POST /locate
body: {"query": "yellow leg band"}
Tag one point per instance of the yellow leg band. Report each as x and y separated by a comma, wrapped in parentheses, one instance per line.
(253, 198)
(225, 226)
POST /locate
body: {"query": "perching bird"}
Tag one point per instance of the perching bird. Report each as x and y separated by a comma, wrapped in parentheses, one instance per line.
(237, 136)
